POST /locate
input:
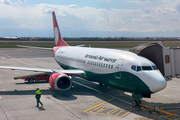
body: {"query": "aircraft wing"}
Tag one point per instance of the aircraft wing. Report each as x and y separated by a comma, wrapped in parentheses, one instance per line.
(42, 48)
(35, 47)
(68, 72)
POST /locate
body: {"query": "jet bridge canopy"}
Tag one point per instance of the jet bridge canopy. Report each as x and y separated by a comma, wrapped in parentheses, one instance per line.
(151, 51)
(166, 59)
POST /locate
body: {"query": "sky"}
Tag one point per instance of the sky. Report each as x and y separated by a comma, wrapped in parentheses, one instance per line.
(90, 18)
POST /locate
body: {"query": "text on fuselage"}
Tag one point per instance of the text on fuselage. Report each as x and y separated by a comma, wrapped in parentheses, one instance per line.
(96, 57)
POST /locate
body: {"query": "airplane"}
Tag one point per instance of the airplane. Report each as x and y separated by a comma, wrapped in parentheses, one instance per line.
(123, 70)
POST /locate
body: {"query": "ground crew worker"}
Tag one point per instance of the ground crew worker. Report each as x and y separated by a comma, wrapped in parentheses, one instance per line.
(38, 96)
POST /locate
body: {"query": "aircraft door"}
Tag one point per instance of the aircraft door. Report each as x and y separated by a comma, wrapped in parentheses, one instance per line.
(118, 68)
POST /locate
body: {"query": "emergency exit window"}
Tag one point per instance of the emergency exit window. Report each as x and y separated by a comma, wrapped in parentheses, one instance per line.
(167, 60)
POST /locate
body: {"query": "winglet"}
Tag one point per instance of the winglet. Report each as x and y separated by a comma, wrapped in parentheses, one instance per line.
(57, 36)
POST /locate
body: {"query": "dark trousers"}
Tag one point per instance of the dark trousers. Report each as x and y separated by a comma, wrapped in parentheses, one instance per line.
(38, 101)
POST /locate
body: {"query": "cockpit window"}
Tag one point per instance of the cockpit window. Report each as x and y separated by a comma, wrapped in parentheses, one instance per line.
(154, 67)
(138, 68)
(146, 67)
(133, 67)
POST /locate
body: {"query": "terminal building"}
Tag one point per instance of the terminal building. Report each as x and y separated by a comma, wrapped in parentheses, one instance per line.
(167, 59)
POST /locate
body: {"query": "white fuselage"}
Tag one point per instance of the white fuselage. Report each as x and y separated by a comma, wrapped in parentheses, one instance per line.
(110, 61)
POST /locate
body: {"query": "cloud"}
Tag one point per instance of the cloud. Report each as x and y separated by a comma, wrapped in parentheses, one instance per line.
(178, 7)
(147, 11)
(123, 29)
(149, 30)
(166, 11)
(7, 2)
(73, 6)
(148, 18)
(73, 17)
(135, 2)
(106, 0)
(22, 1)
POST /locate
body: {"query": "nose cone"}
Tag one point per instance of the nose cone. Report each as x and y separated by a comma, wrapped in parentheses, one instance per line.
(156, 81)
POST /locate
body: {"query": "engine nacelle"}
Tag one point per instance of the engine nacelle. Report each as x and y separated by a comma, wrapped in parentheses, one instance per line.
(60, 81)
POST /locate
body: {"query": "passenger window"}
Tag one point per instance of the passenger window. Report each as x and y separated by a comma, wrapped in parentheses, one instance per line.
(101, 64)
(138, 68)
(133, 68)
(106, 65)
(111, 66)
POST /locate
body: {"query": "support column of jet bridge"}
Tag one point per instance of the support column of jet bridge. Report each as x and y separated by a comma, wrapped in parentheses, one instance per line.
(166, 59)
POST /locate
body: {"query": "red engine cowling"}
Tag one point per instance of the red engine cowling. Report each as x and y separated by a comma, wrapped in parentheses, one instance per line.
(60, 81)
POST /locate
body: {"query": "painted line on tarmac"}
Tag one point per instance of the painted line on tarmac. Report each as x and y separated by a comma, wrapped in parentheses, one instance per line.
(0, 97)
(19, 60)
(87, 86)
(98, 104)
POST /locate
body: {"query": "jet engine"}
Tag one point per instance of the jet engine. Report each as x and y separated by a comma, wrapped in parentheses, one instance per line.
(60, 81)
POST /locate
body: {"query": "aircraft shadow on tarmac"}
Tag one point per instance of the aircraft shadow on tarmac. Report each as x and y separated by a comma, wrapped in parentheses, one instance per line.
(39, 82)
(103, 94)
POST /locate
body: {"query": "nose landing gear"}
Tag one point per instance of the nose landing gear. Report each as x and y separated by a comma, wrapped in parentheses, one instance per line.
(136, 100)
(136, 103)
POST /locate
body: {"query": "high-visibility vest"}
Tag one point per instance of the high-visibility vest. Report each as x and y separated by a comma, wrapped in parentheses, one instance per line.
(38, 92)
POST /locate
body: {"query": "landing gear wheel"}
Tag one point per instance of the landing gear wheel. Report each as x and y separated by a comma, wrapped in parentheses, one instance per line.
(100, 84)
(31, 80)
(150, 111)
(136, 103)
(133, 103)
(158, 112)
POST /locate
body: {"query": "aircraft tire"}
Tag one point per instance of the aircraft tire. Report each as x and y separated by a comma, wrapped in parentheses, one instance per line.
(100, 84)
(31, 80)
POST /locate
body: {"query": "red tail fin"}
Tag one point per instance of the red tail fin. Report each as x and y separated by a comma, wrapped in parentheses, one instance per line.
(57, 36)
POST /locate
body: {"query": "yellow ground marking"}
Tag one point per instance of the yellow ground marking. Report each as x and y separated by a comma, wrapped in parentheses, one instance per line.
(116, 112)
(144, 118)
(98, 105)
(19, 60)
(126, 114)
(166, 117)
(154, 118)
(0, 97)
(160, 116)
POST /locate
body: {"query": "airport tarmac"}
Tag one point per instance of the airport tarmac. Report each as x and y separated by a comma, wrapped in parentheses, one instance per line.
(85, 101)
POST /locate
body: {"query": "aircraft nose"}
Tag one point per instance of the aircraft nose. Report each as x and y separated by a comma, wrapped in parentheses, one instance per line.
(156, 82)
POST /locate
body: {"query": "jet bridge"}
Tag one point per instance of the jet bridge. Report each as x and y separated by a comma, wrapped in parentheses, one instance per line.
(166, 59)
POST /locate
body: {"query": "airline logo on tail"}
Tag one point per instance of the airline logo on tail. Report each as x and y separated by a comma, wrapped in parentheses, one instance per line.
(57, 36)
